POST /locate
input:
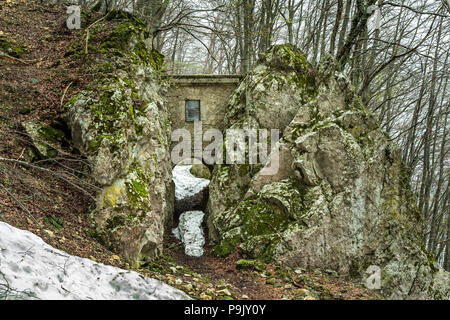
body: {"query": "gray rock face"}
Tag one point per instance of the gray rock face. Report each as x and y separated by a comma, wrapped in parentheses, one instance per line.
(121, 124)
(340, 200)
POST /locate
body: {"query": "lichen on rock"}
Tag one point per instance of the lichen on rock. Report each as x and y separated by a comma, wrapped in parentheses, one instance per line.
(121, 124)
(46, 140)
(339, 200)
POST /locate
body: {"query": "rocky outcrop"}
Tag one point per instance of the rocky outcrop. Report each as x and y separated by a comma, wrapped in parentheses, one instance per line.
(340, 200)
(121, 124)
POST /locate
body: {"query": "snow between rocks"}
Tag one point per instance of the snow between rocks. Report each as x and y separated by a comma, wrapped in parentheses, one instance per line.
(189, 229)
(186, 185)
(190, 232)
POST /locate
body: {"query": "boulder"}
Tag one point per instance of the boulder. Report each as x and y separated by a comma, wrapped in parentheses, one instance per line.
(340, 201)
(46, 140)
(268, 98)
(121, 124)
(199, 170)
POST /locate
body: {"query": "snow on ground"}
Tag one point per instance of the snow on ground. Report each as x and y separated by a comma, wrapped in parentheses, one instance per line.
(190, 232)
(189, 229)
(31, 269)
(187, 185)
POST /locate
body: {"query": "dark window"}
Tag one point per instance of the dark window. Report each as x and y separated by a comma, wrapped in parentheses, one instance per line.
(192, 110)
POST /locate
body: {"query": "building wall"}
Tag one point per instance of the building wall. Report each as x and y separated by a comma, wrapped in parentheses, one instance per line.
(213, 91)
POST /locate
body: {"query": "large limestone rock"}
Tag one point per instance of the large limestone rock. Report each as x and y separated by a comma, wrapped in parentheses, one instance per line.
(340, 200)
(120, 122)
(268, 98)
(190, 232)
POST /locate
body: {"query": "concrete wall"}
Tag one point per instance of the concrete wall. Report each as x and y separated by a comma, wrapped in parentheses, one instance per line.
(213, 91)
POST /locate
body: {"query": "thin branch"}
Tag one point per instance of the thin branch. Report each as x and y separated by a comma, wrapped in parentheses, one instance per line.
(23, 163)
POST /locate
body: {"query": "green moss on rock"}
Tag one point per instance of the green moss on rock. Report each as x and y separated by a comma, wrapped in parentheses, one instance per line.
(244, 264)
(199, 170)
(119, 123)
(226, 247)
(51, 133)
(262, 219)
(11, 48)
(286, 56)
(115, 222)
(132, 31)
(137, 187)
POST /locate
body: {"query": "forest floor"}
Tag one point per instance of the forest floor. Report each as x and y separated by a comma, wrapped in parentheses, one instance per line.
(46, 198)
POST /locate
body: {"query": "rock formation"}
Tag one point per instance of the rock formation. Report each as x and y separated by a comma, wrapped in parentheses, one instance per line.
(122, 125)
(278, 86)
(45, 139)
(340, 199)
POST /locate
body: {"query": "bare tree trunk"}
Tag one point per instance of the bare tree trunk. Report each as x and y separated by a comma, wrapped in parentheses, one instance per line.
(340, 5)
(247, 43)
(343, 33)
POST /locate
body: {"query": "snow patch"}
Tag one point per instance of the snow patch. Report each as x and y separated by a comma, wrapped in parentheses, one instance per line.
(187, 185)
(31, 269)
(190, 232)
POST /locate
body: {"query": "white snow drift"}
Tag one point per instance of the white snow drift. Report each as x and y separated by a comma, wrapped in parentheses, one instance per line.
(187, 185)
(31, 269)
(189, 229)
(190, 232)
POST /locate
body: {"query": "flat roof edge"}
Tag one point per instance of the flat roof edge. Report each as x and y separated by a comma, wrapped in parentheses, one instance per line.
(204, 78)
(200, 76)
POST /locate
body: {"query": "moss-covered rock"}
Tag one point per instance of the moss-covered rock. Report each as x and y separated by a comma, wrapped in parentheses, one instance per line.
(268, 98)
(244, 264)
(121, 124)
(46, 139)
(12, 48)
(199, 170)
(262, 219)
(339, 200)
